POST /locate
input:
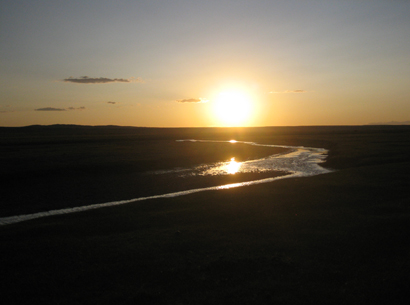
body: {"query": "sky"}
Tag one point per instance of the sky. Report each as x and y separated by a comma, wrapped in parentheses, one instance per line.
(202, 63)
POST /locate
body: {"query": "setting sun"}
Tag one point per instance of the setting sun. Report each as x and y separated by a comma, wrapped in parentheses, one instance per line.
(233, 108)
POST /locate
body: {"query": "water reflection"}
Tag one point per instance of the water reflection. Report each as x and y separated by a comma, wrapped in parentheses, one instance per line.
(233, 167)
(299, 162)
(216, 169)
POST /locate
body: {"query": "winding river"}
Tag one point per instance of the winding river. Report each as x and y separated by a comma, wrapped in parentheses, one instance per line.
(299, 161)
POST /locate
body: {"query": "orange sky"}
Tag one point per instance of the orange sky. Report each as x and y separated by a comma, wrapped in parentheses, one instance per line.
(166, 63)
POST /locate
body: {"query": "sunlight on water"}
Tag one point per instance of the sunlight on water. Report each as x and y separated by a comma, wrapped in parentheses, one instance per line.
(216, 169)
(232, 167)
(298, 162)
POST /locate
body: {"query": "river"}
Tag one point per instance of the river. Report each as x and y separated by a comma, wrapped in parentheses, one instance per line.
(299, 161)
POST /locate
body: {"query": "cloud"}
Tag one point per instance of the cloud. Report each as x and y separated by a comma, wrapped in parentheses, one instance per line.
(59, 109)
(78, 108)
(290, 91)
(50, 109)
(101, 80)
(7, 110)
(112, 103)
(193, 100)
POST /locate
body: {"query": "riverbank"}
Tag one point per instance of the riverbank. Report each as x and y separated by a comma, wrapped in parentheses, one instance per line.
(339, 238)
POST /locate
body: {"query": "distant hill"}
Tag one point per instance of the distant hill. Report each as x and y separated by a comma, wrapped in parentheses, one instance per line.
(391, 123)
(72, 126)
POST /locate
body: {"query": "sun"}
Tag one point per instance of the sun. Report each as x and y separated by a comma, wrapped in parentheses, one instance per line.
(233, 108)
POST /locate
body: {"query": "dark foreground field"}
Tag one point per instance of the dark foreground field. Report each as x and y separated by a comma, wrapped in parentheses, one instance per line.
(338, 238)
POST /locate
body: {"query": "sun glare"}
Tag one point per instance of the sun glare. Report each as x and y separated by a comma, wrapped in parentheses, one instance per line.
(233, 166)
(233, 107)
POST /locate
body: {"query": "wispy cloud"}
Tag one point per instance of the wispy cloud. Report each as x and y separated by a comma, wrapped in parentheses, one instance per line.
(50, 109)
(290, 91)
(78, 108)
(101, 80)
(59, 109)
(193, 100)
(5, 111)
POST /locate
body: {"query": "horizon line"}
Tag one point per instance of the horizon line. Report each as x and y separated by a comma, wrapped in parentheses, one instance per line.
(405, 123)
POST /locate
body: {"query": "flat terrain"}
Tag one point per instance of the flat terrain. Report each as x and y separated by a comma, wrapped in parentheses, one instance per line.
(338, 238)
(56, 167)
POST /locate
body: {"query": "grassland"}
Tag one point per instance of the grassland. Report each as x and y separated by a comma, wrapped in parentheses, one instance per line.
(338, 238)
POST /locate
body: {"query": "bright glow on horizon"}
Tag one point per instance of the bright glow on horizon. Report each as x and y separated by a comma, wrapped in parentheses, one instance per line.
(233, 108)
